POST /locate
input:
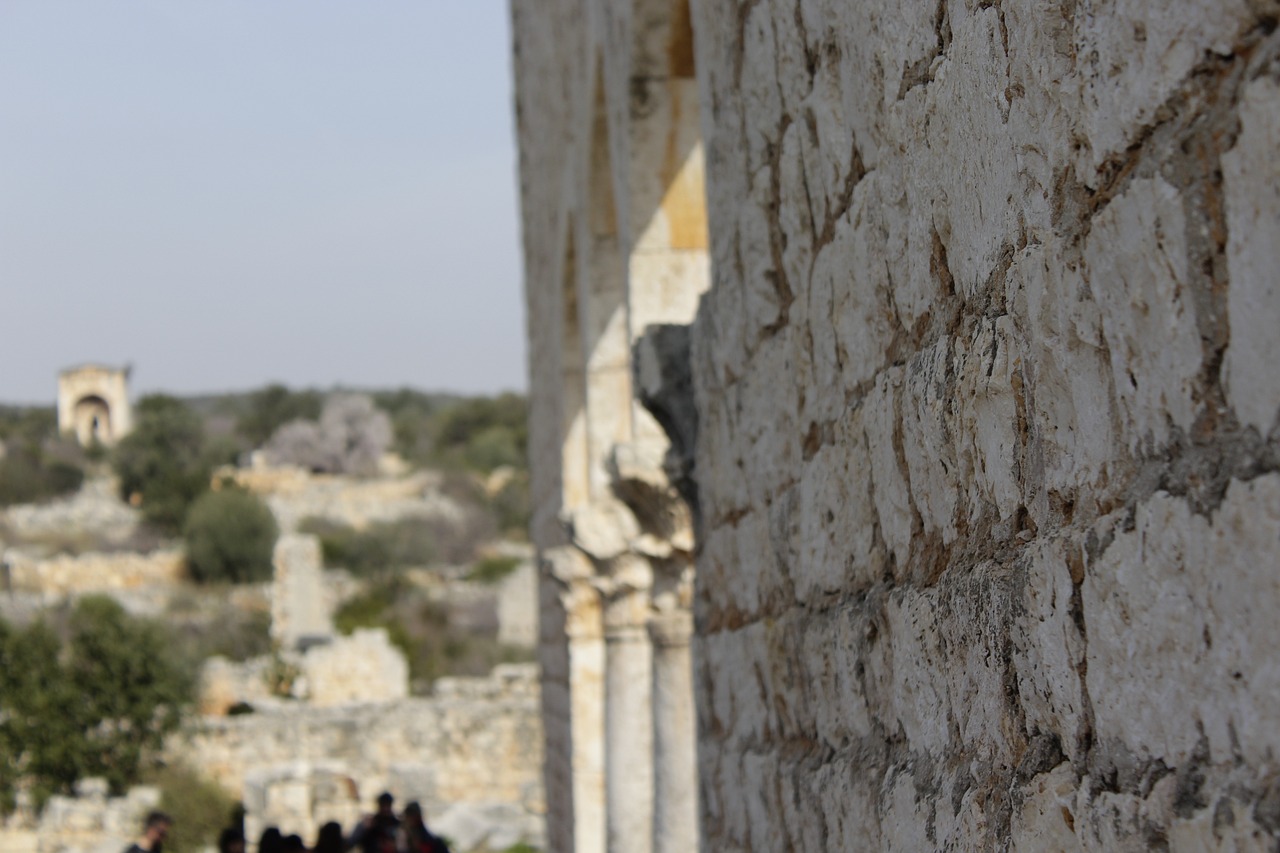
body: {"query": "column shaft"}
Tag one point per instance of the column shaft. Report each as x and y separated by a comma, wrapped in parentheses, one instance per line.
(629, 727)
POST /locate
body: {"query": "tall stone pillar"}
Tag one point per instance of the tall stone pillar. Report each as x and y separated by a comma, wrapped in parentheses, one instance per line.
(675, 807)
(628, 722)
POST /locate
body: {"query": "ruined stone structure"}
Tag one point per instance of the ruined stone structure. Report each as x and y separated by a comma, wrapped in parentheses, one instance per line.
(93, 403)
(977, 418)
(469, 753)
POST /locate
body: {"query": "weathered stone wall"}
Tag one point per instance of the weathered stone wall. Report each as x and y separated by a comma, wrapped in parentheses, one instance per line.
(94, 572)
(89, 822)
(987, 442)
(987, 446)
(295, 494)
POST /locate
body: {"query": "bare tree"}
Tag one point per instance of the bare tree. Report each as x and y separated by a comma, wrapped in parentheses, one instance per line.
(350, 438)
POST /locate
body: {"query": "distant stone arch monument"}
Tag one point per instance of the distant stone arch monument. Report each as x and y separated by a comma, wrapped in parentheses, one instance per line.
(93, 403)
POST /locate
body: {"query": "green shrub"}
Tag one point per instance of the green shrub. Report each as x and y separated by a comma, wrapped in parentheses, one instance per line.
(483, 433)
(229, 536)
(164, 461)
(492, 570)
(379, 549)
(37, 464)
(199, 806)
(374, 608)
(28, 476)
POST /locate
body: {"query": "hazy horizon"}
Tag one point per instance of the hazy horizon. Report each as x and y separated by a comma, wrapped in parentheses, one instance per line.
(227, 194)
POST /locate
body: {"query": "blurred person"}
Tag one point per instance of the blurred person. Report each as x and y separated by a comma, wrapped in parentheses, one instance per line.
(415, 837)
(155, 829)
(369, 833)
(330, 839)
(271, 841)
(231, 840)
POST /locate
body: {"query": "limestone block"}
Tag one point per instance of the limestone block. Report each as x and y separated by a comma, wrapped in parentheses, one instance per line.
(1066, 364)
(888, 476)
(827, 148)
(736, 702)
(931, 463)
(1048, 648)
(920, 703)
(905, 816)
(833, 648)
(792, 219)
(1178, 629)
(1133, 56)
(965, 172)
(987, 440)
(719, 455)
(836, 543)
(1252, 181)
(298, 608)
(771, 436)
(1137, 258)
(847, 307)
(761, 100)
(760, 295)
(1046, 819)
(363, 667)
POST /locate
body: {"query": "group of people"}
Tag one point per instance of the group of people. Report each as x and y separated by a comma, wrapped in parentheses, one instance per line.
(381, 832)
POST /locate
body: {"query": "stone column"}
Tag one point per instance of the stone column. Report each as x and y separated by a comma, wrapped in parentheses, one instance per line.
(675, 807)
(628, 723)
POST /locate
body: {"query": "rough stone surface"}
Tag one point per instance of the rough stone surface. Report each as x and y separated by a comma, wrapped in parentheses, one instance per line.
(986, 393)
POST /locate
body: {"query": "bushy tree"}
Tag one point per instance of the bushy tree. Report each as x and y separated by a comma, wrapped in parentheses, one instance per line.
(132, 690)
(164, 461)
(350, 438)
(36, 464)
(269, 408)
(229, 535)
(94, 706)
(28, 474)
(484, 433)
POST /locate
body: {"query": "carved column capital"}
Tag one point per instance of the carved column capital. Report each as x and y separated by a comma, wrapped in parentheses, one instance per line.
(671, 629)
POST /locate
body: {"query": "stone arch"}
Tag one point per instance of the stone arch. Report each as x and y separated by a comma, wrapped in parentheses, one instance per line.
(92, 416)
(93, 404)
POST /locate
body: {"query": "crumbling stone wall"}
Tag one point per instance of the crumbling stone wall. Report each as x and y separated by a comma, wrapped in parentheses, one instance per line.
(987, 448)
(470, 754)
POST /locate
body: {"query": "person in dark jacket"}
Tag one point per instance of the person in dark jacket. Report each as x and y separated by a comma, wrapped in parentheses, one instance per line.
(370, 833)
(414, 835)
(154, 831)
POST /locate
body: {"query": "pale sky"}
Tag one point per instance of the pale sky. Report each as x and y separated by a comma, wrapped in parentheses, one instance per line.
(231, 192)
